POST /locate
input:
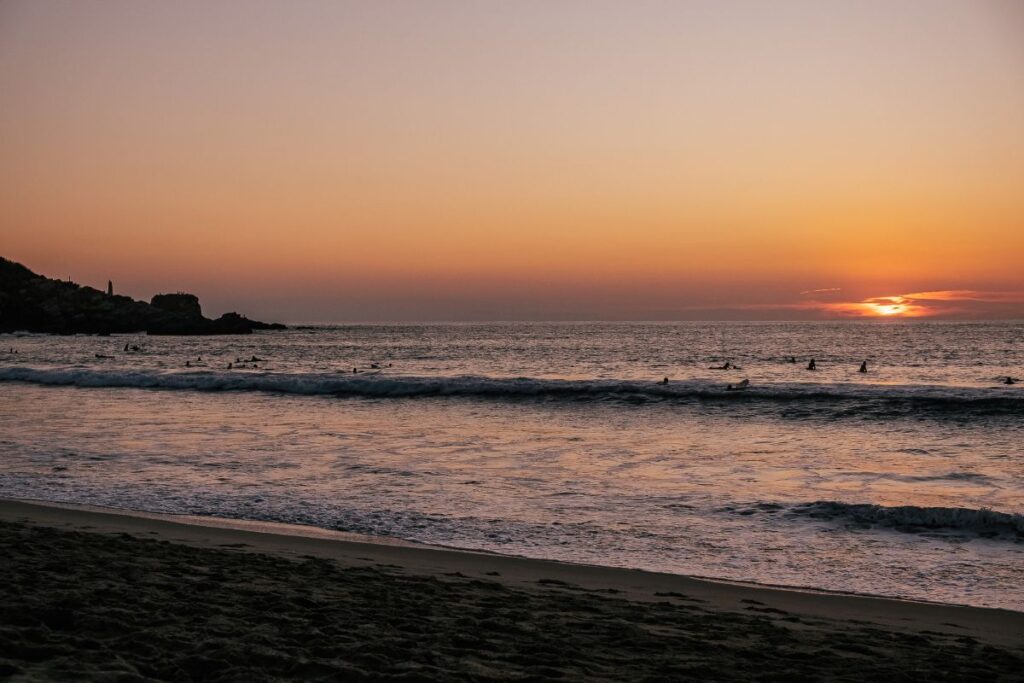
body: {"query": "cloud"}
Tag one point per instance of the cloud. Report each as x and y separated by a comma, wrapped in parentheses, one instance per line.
(822, 291)
(941, 303)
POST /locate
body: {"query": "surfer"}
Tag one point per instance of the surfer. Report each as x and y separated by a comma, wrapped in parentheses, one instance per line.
(230, 365)
(792, 359)
(863, 367)
(812, 365)
(740, 386)
(126, 347)
(355, 371)
(375, 366)
(664, 381)
(727, 366)
(188, 364)
(1009, 380)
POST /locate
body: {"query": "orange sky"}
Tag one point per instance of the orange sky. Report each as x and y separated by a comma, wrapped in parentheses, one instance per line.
(468, 160)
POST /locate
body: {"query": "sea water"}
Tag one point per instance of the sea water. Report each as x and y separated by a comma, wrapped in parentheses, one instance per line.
(560, 441)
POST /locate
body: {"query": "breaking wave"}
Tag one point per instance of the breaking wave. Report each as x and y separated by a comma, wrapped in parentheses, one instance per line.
(910, 518)
(881, 399)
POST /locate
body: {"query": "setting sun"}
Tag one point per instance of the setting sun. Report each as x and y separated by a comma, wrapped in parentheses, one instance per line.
(895, 307)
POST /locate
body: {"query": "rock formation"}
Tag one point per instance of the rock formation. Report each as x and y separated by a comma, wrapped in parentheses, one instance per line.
(33, 303)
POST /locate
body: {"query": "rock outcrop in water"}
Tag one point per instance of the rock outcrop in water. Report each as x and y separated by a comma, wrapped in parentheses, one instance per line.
(33, 303)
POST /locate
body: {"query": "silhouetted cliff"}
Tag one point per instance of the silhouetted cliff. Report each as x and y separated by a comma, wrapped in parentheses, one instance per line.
(33, 303)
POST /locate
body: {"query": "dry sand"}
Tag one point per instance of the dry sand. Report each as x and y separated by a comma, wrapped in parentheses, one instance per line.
(98, 595)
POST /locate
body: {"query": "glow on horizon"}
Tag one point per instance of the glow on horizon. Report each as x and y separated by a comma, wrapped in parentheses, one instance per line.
(571, 160)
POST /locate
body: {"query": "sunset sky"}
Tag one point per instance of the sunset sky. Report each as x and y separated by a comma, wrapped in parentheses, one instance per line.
(440, 160)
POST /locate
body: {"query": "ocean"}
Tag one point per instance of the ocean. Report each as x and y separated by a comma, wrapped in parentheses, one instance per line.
(559, 441)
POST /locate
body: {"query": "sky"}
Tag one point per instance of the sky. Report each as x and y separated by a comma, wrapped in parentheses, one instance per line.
(529, 160)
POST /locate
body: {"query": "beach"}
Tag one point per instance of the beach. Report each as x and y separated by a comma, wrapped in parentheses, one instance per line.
(102, 595)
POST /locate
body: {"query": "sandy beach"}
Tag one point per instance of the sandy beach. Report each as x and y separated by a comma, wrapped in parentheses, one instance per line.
(96, 595)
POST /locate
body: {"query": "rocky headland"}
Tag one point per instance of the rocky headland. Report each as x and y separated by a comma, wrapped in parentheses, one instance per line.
(30, 302)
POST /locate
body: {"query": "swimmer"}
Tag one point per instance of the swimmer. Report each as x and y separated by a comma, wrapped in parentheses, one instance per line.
(188, 364)
(1009, 380)
(863, 367)
(664, 381)
(230, 365)
(812, 365)
(727, 366)
(745, 384)
(355, 371)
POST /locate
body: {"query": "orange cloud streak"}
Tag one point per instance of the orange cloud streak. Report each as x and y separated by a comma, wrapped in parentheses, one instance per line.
(918, 304)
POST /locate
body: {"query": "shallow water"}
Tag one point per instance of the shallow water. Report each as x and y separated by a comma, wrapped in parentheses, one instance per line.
(555, 441)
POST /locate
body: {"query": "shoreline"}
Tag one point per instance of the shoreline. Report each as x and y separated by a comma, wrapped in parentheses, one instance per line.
(1000, 627)
(306, 531)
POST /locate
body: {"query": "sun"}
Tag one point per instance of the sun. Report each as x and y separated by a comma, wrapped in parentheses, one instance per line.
(888, 309)
(881, 307)
(891, 307)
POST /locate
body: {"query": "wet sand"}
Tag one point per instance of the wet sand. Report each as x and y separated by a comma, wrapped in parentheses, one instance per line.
(96, 595)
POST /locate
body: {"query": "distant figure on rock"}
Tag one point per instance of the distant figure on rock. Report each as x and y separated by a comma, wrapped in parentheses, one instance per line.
(863, 367)
(812, 365)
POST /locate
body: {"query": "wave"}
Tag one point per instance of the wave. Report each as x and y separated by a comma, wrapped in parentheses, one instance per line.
(981, 522)
(885, 399)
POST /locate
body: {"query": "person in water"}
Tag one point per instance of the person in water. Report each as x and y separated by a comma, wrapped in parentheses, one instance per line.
(230, 365)
(727, 366)
(863, 367)
(664, 381)
(1009, 380)
(739, 387)
(812, 365)
(188, 364)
